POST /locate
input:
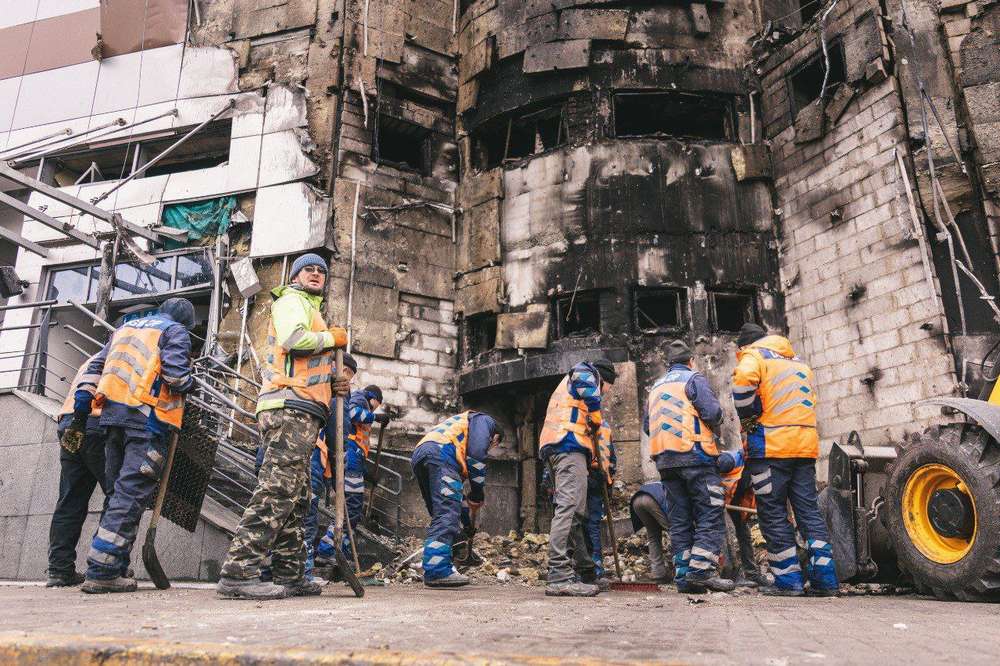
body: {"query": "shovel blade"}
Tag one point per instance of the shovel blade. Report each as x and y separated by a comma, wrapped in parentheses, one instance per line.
(349, 576)
(152, 562)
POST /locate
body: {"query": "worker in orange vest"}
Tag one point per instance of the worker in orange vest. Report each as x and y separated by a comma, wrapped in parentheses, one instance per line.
(81, 469)
(144, 370)
(566, 445)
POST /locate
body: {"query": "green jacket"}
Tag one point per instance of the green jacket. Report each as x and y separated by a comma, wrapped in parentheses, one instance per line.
(292, 314)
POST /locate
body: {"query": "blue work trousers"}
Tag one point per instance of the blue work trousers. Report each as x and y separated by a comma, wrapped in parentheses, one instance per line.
(595, 515)
(134, 460)
(695, 510)
(441, 486)
(354, 501)
(776, 483)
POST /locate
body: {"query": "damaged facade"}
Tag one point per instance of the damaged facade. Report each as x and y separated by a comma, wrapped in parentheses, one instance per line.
(506, 187)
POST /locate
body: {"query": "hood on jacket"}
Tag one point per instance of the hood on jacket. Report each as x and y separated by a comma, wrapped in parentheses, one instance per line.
(776, 343)
(286, 289)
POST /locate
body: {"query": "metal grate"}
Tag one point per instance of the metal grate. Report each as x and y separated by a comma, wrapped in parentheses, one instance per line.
(193, 463)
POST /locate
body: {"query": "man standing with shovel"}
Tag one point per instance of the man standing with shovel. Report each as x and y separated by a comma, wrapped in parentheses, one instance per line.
(292, 406)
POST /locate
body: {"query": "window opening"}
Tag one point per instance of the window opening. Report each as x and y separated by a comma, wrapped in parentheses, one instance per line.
(673, 114)
(731, 309)
(577, 314)
(519, 136)
(807, 81)
(482, 332)
(658, 310)
(401, 144)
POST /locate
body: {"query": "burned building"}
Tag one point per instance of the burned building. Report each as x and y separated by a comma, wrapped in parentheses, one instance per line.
(504, 188)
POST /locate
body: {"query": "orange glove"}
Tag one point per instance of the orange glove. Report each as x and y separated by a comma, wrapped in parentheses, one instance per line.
(339, 336)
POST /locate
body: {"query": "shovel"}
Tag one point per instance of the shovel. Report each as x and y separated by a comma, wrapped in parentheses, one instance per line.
(375, 475)
(149, 558)
(346, 570)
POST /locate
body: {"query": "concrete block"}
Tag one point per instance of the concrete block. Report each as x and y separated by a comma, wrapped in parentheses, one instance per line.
(417, 355)
(12, 529)
(22, 424)
(17, 468)
(34, 558)
(45, 484)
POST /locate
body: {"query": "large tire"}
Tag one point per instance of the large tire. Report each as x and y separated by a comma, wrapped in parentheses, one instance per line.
(971, 453)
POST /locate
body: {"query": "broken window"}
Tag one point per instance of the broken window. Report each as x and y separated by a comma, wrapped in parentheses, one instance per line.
(401, 144)
(169, 272)
(522, 135)
(118, 158)
(578, 313)
(658, 309)
(729, 310)
(674, 114)
(807, 81)
(482, 333)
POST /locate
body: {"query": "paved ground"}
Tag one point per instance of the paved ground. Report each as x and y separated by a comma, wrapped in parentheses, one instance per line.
(410, 624)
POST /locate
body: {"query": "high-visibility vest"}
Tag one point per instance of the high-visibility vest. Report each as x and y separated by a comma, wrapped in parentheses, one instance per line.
(786, 390)
(361, 435)
(132, 370)
(565, 414)
(81, 376)
(295, 377)
(452, 432)
(674, 424)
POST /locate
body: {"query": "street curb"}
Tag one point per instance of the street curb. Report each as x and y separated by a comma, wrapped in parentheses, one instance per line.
(79, 650)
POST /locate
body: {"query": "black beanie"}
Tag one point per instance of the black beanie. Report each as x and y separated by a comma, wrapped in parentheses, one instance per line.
(678, 352)
(350, 362)
(374, 392)
(606, 369)
(750, 333)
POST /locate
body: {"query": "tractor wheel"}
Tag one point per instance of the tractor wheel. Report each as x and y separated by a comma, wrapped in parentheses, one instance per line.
(943, 512)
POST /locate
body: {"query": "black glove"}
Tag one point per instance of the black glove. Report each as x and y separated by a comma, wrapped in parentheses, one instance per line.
(383, 418)
(341, 386)
(72, 437)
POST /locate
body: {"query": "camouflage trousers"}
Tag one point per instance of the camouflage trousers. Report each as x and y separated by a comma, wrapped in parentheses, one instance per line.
(273, 520)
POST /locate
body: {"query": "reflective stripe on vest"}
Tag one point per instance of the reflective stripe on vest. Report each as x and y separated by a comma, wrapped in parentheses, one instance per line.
(674, 424)
(361, 435)
(786, 392)
(565, 414)
(452, 431)
(81, 376)
(132, 371)
(292, 377)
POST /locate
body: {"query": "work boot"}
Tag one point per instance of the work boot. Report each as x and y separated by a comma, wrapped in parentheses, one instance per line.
(110, 585)
(712, 581)
(454, 579)
(65, 579)
(602, 582)
(234, 588)
(775, 591)
(659, 576)
(823, 591)
(303, 588)
(684, 587)
(571, 588)
(744, 582)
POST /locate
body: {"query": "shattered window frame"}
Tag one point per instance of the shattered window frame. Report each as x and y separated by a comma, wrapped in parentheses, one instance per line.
(192, 155)
(486, 139)
(797, 85)
(723, 104)
(575, 301)
(53, 270)
(480, 333)
(749, 306)
(645, 324)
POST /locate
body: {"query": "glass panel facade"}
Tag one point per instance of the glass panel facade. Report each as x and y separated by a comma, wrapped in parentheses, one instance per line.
(72, 283)
(193, 269)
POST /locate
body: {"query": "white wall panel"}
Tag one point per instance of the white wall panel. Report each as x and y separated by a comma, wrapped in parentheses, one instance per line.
(117, 83)
(58, 94)
(199, 184)
(288, 219)
(161, 69)
(8, 97)
(283, 159)
(208, 71)
(50, 8)
(15, 12)
(244, 163)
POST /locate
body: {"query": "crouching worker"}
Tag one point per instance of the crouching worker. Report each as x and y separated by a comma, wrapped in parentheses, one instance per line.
(776, 403)
(648, 508)
(566, 446)
(81, 469)
(145, 369)
(453, 450)
(681, 412)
